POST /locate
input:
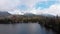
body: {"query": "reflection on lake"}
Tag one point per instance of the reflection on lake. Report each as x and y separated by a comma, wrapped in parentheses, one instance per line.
(24, 28)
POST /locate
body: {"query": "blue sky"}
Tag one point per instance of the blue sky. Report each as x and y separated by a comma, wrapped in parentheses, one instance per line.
(22, 7)
(33, 6)
(39, 4)
(27, 4)
(44, 5)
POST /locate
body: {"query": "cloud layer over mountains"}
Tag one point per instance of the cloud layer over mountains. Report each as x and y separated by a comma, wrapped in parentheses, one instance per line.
(31, 6)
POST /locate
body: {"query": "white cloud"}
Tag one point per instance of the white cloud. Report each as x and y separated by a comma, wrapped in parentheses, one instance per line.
(8, 4)
(30, 3)
(54, 10)
(16, 12)
(12, 4)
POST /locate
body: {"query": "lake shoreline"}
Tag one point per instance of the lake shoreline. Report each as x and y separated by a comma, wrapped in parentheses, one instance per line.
(48, 22)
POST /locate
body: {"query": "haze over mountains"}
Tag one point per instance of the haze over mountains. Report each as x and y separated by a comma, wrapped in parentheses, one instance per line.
(26, 14)
(4, 14)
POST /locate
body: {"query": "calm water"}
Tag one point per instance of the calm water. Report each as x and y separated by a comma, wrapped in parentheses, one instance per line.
(31, 28)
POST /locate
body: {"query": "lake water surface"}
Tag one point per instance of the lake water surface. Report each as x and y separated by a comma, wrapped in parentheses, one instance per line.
(24, 28)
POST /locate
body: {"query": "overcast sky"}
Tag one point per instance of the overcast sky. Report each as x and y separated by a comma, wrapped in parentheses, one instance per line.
(31, 6)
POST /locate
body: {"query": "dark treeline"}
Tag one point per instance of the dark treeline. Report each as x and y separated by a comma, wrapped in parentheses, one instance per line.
(49, 22)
